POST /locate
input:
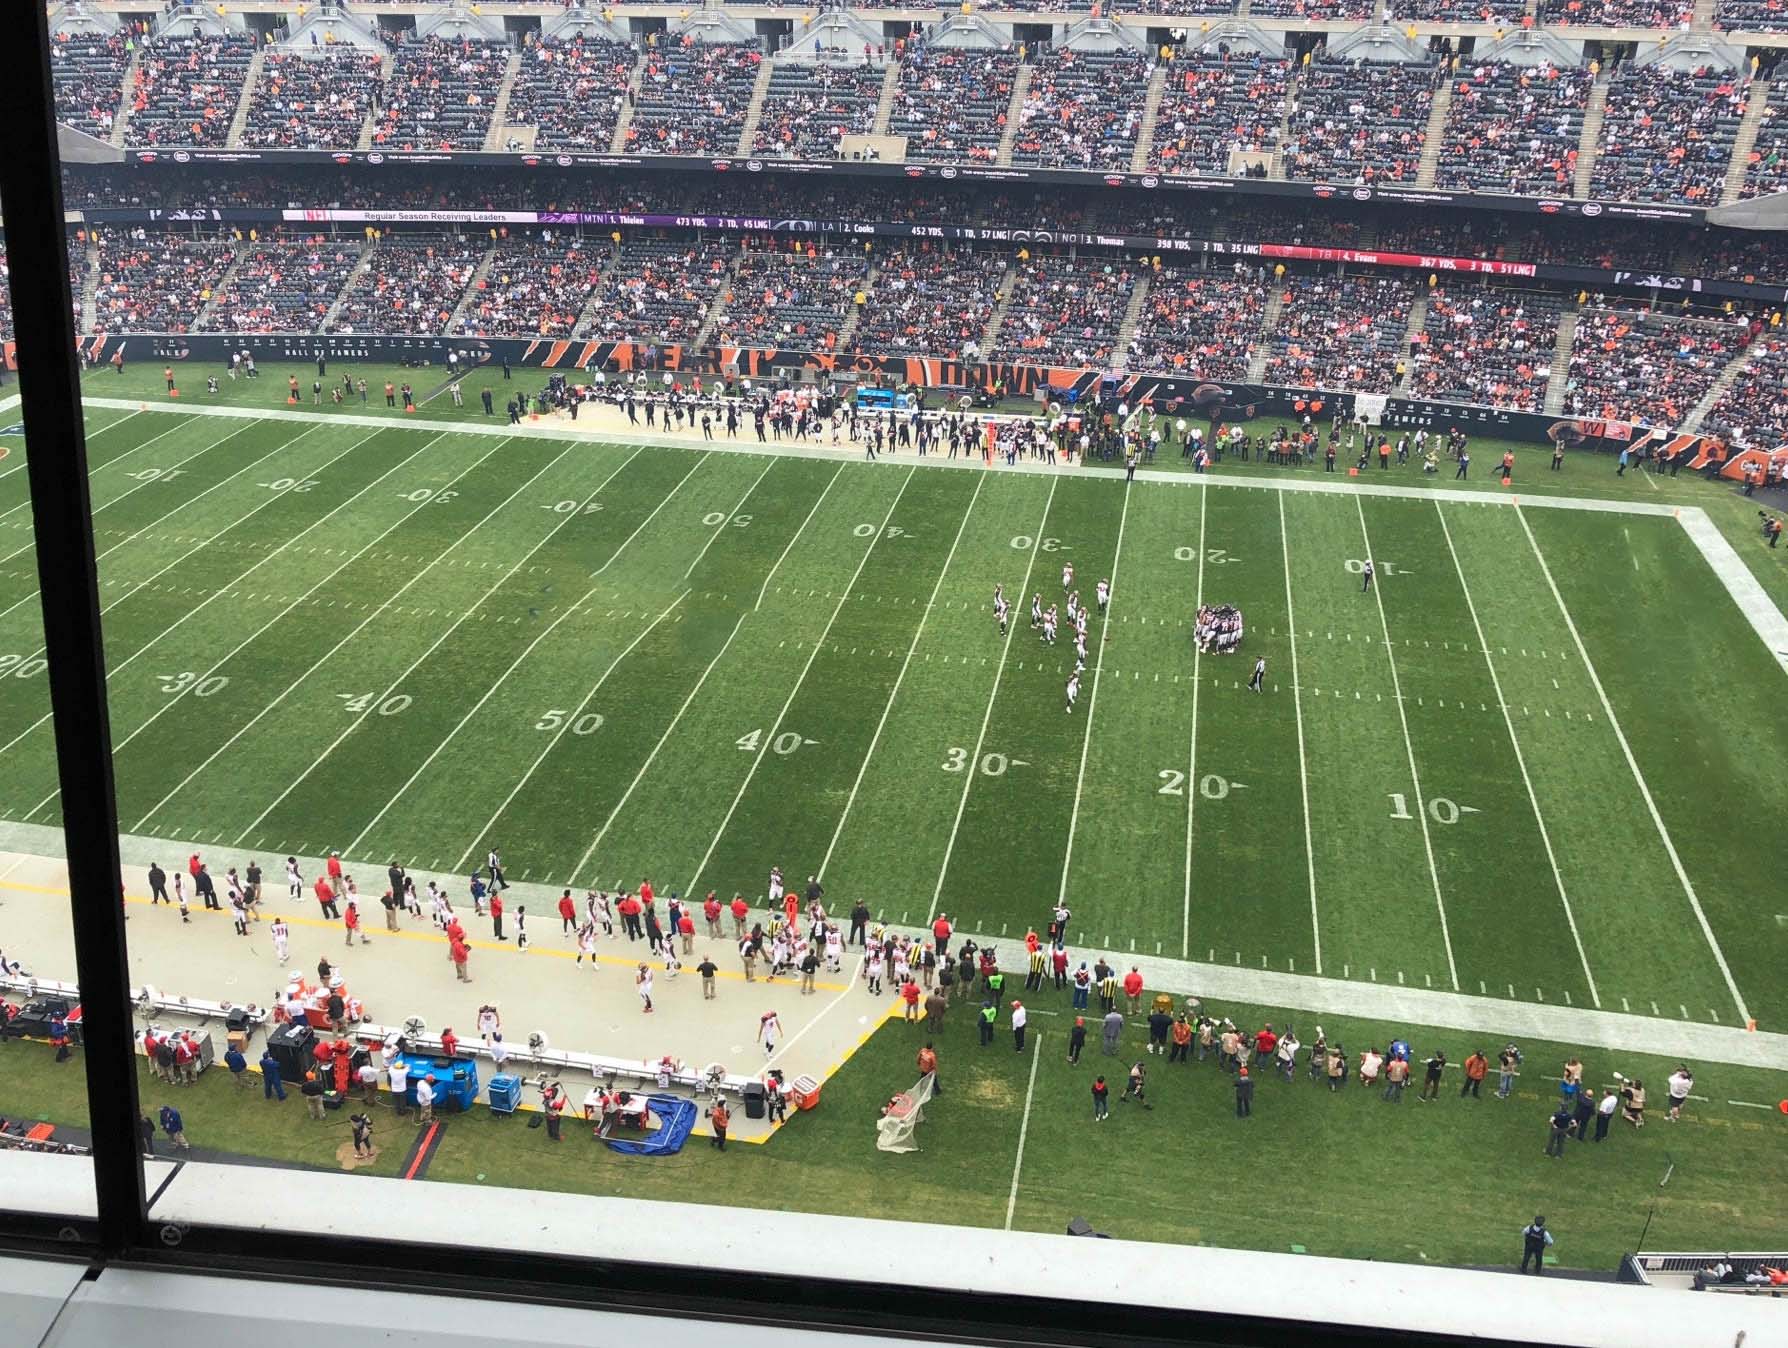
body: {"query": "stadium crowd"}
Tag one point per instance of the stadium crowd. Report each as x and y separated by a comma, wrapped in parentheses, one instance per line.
(1513, 129)
(951, 103)
(1345, 332)
(693, 97)
(535, 287)
(1215, 102)
(926, 300)
(311, 100)
(89, 77)
(1668, 134)
(659, 289)
(440, 94)
(1064, 310)
(573, 92)
(809, 106)
(1486, 344)
(1643, 366)
(1753, 409)
(1361, 122)
(790, 297)
(187, 88)
(281, 285)
(156, 283)
(409, 284)
(1083, 109)
(1198, 324)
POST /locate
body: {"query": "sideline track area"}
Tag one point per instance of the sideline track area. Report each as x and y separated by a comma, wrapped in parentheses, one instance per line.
(1219, 982)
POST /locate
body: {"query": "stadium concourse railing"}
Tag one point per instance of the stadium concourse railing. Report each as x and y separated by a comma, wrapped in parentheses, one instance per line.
(1211, 400)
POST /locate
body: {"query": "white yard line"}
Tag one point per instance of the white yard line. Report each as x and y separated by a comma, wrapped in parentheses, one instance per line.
(570, 720)
(218, 593)
(561, 430)
(1192, 752)
(639, 776)
(1520, 759)
(776, 727)
(25, 461)
(1092, 702)
(159, 518)
(1409, 747)
(1682, 875)
(729, 518)
(900, 678)
(517, 663)
(1752, 599)
(969, 774)
(1297, 703)
(1024, 1124)
(244, 643)
(358, 627)
(436, 644)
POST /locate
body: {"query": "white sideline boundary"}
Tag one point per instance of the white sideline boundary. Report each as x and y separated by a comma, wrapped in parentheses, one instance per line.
(1218, 984)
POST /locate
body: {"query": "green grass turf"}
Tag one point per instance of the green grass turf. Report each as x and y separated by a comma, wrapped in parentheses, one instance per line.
(319, 639)
(620, 662)
(1450, 1181)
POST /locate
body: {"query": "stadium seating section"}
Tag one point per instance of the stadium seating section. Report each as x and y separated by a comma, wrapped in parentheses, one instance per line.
(1668, 134)
(156, 282)
(693, 98)
(1767, 170)
(951, 103)
(187, 89)
(572, 91)
(788, 298)
(1753, 408)
(1065, 310)
(535, 287)
(410, 284)
(311, 100)
(1645, 367)
(1360, 121)
(440, 94)
(925, 301)
(281, 285)
(1198, 324)
(1340, 333)
(1213, 103)
(658, 290)
(809, 106)
(1083, 110)
(89, 76)
(1486, 344)
(1513, 129)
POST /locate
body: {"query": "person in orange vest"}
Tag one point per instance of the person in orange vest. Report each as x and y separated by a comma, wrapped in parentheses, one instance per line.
(326, 897)
(167, 373)
(291, 388)
(1508, 466)
(390, 394)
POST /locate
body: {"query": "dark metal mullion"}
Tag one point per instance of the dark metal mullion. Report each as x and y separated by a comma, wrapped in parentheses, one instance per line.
(56, 447)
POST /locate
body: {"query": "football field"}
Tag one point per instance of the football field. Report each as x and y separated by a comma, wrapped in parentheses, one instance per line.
(1538, 760)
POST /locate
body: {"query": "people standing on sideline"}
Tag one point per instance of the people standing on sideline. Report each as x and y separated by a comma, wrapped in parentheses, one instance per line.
(1244, 1094)
(174, 1127)
(1437, 1064)
(1019, 1018)
(1507, 1061)
(990, 1014)
(1584, 1112)
(1101, 1100)
(1559, 1128)
(1476, 1067)
(1076, 1039)
(928, 1068)
(158, 885)
(273, 1086)
(1535, 1241)
(1114, 1029)
(1605, 1108)
(1681, 1082)
(718, 1119)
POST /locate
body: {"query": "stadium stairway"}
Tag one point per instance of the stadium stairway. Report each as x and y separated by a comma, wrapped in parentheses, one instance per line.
(884, 110)
(354, 279)
(199, 323)
(1269, 322)
(1132, 316)
(1418, 320)
(1151, 108)
(1276, 170)
(90, 286)
(122, 120)
(1702, 20)
(1244, 8)
(718, 307)
(1530, 11)
(1745, 141)
(849, 330)
(1561, 361)
(365, 139)
(1008, 283)
(754, 112)
(593, 305)
(1734, 367)
(479, 273)
(1593, 115)
(499, 113)
(625, 121)
(1021, 86)
(1429, 164)
(240, 121)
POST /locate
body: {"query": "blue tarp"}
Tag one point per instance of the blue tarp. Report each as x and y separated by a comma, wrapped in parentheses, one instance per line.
(676, 1118)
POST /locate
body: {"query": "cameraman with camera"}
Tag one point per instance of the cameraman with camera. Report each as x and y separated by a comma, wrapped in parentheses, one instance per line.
(1508, 1062)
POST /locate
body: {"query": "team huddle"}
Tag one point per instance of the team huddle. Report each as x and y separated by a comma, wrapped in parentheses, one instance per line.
(1218, 629)
(1047, 621)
